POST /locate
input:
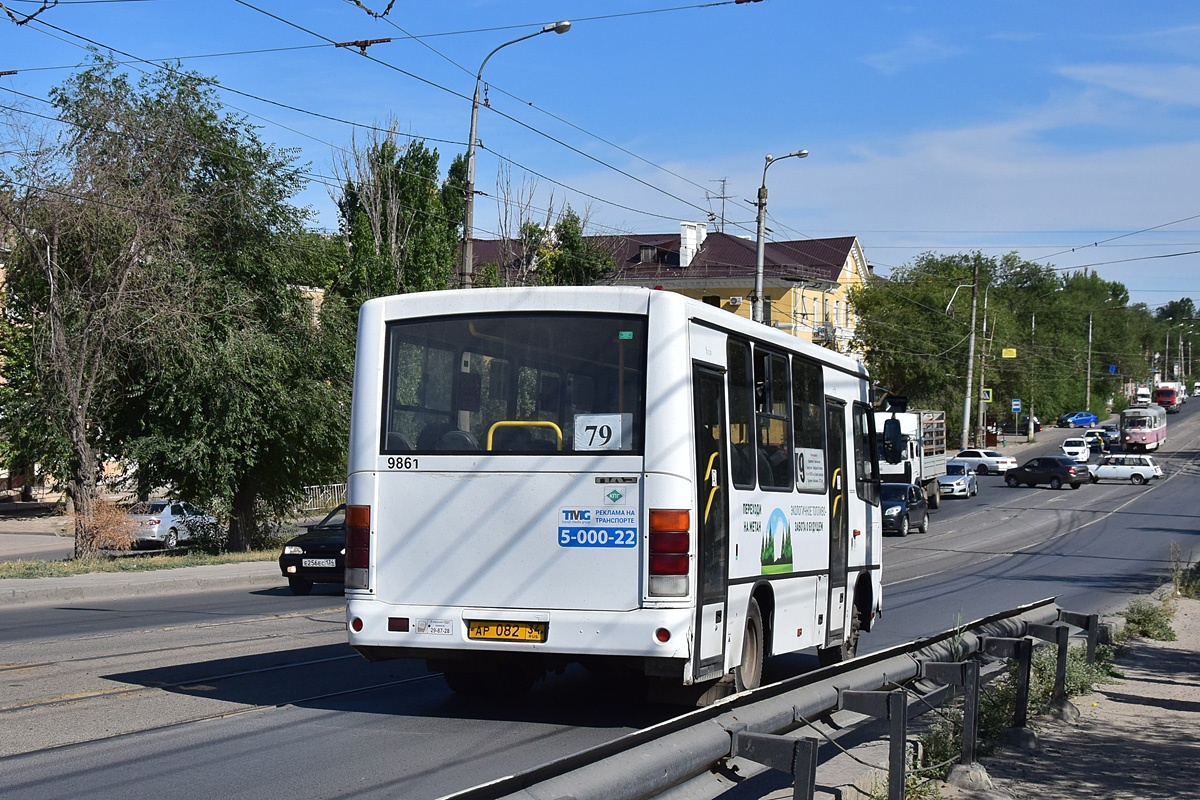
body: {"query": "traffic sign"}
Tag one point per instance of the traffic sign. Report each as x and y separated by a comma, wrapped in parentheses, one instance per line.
(1016, 405)
(987, 395)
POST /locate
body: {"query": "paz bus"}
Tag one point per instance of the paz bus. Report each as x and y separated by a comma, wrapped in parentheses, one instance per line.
(614, 476)
(1143, 429)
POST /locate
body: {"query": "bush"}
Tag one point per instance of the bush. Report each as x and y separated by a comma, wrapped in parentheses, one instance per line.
(1149, 619)
(111, 527)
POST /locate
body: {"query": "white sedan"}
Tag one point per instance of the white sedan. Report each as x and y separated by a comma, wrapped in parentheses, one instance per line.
(1133, 468)
(1077, 449)
(984, 462)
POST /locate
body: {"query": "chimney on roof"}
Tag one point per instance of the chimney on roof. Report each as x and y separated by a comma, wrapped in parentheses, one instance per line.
(691, 236)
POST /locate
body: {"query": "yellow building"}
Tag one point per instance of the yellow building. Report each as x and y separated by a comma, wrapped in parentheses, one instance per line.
(805, 282)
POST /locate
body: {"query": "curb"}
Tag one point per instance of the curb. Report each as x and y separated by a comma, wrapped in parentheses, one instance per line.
(116, 585)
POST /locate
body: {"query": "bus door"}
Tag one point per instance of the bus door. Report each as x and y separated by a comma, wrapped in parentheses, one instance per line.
(712, 523)
(835, 423)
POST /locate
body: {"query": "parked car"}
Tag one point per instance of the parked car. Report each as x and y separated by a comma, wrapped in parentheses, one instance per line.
(1076, 449)
(318, 555)
(1133, 468)
(1112, 433)
(1023, 426)
(902, 504)
(1054, 471)
(984, 462)
(1078, 419)
(959, 481)
(168, 522)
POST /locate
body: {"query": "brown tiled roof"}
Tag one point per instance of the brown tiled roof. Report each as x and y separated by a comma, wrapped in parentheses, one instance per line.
(725, 256)
(721, 256)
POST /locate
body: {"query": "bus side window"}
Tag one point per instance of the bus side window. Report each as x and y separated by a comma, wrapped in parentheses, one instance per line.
(774, 420)
(808, 421)
(741, 415)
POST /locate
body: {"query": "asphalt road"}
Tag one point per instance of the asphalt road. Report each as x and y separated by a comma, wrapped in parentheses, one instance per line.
(238, 693)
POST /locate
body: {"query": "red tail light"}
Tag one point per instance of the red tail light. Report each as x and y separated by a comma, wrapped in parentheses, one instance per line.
(358, 537)
(669, 542)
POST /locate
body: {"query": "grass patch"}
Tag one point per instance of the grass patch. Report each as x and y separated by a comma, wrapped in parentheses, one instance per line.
(83, 566)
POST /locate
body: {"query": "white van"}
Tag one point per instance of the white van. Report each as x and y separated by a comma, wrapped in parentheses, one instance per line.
(1142, 398)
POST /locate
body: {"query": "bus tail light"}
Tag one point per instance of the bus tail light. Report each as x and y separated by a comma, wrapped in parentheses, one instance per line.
(358, 546)
(669, 561)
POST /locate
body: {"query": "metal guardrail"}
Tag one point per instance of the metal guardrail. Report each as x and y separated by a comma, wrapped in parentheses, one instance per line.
(649, 762)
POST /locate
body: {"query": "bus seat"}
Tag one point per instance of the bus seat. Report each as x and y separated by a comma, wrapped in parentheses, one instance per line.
(458, 440)
(432, 434)
(512, 439)
(398, 441)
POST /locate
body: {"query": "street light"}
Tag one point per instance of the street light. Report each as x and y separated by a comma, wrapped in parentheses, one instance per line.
(465, 279)
(756, 302)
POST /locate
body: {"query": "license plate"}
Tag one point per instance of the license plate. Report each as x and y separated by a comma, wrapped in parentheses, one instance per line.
(508, 631)
(318, 562)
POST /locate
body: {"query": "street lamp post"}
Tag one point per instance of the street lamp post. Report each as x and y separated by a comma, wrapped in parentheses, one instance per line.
(756, 302)
(465, 276)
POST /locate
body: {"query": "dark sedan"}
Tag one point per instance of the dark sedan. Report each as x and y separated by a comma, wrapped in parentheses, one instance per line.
(317, 556)
(904, 507)
(1054, 471)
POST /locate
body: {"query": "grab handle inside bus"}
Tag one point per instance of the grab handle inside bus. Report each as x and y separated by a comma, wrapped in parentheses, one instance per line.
(523, 423)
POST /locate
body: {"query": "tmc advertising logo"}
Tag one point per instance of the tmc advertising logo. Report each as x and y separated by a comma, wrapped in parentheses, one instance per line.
(576, 515)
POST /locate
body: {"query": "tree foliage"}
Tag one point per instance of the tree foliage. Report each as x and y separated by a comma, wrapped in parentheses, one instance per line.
(152, 314)
(914, 326)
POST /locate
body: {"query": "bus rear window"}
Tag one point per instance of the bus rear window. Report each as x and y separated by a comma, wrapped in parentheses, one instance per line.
(515, 383)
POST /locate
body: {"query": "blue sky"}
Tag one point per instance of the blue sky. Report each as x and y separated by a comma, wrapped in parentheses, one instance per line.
(1065, 131)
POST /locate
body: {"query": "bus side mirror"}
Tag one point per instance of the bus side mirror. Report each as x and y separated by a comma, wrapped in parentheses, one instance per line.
(893, 441)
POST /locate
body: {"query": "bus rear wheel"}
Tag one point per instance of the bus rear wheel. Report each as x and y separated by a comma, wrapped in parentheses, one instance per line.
(848, 649)
(748, 674)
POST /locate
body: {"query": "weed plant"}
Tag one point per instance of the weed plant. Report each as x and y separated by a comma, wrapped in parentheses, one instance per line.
(1185, 576)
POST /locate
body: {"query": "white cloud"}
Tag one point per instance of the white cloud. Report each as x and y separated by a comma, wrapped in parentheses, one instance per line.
(917, 49)
(1177, 85)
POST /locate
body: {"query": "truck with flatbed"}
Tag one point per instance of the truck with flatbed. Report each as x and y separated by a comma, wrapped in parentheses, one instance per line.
(912, 448)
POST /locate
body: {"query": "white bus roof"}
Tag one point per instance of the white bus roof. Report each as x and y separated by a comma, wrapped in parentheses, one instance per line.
(585, 299)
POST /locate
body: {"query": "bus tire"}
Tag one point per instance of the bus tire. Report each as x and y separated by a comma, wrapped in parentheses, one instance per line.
(828, 656)
(748, 674)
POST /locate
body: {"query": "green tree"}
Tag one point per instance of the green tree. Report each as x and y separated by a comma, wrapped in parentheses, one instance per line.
(98, 208)
(152, 314)
(568, 258)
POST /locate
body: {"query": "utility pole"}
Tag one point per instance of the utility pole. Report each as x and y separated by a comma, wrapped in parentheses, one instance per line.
(981, 419)
(966, 421)
(1087, 396)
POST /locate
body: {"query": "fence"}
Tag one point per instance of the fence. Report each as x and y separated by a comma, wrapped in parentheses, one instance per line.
(646, 764)
(321, 498)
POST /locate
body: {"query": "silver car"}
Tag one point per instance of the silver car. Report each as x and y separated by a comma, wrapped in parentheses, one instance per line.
(959, 481)
(168, 522)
